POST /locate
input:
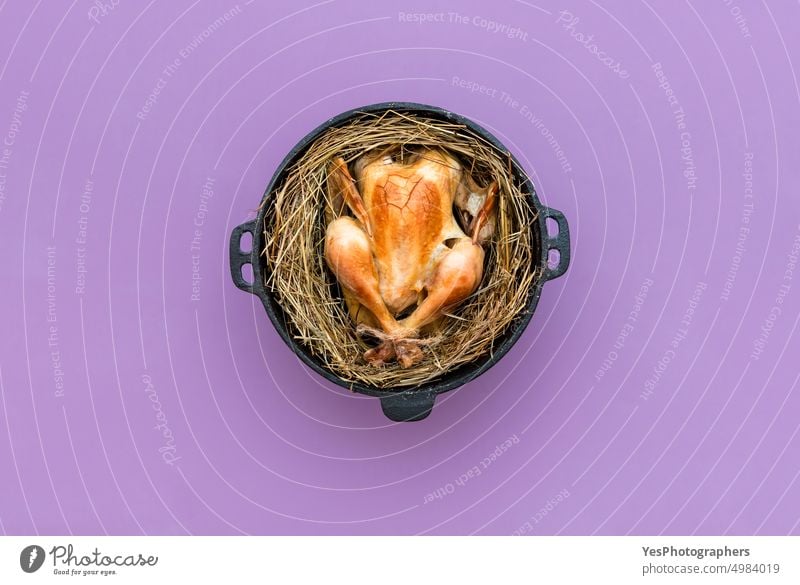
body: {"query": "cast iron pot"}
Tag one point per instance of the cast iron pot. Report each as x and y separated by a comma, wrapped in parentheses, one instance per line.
(408, 404)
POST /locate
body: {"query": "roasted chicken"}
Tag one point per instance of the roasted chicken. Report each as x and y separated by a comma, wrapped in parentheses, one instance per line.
(403, 259)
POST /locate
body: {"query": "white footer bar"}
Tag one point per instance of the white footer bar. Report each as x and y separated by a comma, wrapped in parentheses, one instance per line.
(406, 560)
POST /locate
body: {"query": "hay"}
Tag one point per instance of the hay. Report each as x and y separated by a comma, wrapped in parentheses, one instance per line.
(303, 286)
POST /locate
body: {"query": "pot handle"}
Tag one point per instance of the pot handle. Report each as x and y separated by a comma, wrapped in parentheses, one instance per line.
(240, 258)
(407, 406)
(559, 243)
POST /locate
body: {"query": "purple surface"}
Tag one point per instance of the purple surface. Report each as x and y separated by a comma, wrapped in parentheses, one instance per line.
(671, 412)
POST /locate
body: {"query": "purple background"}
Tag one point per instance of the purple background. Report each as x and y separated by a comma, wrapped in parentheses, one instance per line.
(706, 442)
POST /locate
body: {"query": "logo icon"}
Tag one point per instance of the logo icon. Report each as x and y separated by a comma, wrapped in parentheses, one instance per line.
(31, 558)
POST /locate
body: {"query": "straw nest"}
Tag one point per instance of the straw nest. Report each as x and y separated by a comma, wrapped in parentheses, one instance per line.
(298, 277)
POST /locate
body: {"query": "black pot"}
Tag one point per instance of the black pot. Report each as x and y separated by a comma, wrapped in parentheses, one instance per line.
(408, 404)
